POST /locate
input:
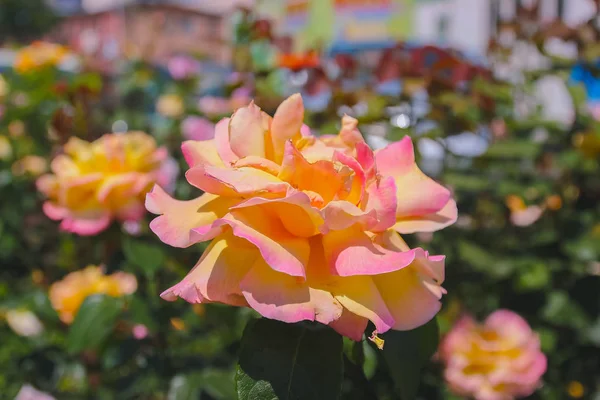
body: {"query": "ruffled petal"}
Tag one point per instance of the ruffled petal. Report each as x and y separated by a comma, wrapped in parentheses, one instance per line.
(350, 325)
(88, 224)
(353, 252)
(359, 295)
(259, 163)
(286, 298)
(418, 195)
(294, 211)
(382, 200)
(321, 177)
(281, 250)
(217, 275)
(201, 153)
(248, 129)
(177, 218)
(357, 191)
(340, 214)
(287, 124)
(429, 222)
(222, 142)
(409, 294)
(245, 181)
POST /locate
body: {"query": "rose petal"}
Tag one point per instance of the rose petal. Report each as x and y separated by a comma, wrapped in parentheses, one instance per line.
(352, 252)
(350, 325)
(222, 142)
(247, 130)
(217, 275)
(409, 294)
(429, 222)
(177, 218)
(320, 177)
(382, 199)
(285, 298)
(418, 195)
(287, 124)
(340, 214)
(294, 211)
(201, 153)
(281, 250)
(88, 224)
(359, 295)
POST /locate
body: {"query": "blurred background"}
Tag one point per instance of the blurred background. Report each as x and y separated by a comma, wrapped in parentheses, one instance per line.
(499, 97)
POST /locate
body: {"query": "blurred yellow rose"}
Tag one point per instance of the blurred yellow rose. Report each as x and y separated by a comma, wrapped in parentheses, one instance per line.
(5, 148)
(67, 295)
(92, 184)
(170, 105)
(30, 165)
(39, 55)
(24, 323)
(3, 87)
(16, 128)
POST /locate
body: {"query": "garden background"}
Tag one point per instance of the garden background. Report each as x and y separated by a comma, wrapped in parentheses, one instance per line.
(514, 133)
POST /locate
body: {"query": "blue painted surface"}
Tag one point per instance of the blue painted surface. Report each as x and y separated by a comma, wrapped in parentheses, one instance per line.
(580, 74)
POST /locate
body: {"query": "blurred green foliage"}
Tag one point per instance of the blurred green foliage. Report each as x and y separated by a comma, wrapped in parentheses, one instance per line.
(25, 20)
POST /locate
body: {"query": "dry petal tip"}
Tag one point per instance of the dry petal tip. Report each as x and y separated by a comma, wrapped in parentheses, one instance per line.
(379, 342)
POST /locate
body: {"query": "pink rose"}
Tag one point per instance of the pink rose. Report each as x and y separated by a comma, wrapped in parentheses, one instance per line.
(92, 184)
(497, 360)
(307, 228)
(182, 67)
(197, 128)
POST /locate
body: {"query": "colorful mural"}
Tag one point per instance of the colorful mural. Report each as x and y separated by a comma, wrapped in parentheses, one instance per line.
(345, 25)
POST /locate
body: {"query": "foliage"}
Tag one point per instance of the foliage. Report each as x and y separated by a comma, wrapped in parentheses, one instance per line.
(25, 20)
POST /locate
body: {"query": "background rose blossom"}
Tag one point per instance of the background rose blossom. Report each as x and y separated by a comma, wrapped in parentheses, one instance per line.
(68, 294)
(95, 183)
(499, 359)
(197, 128)
(183, 67)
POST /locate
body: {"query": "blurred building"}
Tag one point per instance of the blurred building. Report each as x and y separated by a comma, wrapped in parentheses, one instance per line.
(466, 25)
(106, 30)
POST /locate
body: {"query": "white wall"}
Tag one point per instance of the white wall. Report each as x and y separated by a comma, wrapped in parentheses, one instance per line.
(470, 21)
(468, 27)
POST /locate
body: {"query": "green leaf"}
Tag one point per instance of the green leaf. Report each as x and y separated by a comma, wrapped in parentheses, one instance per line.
(289, 362)
(467, 182)
(95, 320)
(143, 255)
(513, 149)
(361, 354)
(406, 353)
(218, 384)
(533, 277)
(560, 310)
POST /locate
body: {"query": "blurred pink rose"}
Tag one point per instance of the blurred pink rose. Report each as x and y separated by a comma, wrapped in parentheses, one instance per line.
(182, 67)
(240, 97)
(214, 106)
(197, 128)
(95, 183)
(140, 331)
(497, 360)
(28, 392)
